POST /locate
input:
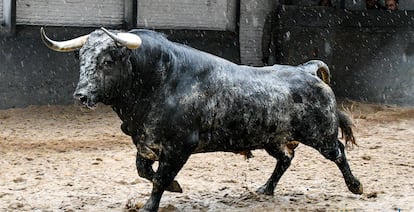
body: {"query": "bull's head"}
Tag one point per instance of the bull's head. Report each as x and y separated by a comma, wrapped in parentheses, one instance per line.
(104, 62)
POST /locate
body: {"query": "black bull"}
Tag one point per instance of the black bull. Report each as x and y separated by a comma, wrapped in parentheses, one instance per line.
(175, 101)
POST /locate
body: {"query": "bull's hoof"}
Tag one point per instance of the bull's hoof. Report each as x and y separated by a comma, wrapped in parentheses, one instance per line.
(265, 190)
(174, 187)
(133, 205)
(356, 188)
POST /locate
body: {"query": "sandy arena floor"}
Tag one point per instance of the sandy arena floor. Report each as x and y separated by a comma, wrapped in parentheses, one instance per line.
(64, 158)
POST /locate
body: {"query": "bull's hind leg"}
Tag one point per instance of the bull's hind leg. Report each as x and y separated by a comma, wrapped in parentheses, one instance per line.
(284, 155)
(336, 153)
(338, 156)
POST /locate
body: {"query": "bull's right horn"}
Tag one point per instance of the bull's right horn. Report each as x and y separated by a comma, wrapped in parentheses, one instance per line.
(63, 46)
(129, 40)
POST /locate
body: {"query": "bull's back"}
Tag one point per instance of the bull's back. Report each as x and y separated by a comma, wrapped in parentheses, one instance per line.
(251, 108)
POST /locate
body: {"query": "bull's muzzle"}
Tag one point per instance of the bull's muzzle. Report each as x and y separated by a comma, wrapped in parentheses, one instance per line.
(85, 99)
(81, 98)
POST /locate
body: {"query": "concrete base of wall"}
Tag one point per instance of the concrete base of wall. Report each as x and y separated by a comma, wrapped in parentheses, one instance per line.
(370, 53)
(31, 74)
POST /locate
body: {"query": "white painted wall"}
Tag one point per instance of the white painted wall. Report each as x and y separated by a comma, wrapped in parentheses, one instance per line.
(69, 12)
(187, 14)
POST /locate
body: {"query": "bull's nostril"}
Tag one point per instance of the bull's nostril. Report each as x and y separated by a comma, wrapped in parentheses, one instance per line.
(83, 99)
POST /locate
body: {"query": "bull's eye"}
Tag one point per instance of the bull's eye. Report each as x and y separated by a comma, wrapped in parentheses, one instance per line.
(108, 62)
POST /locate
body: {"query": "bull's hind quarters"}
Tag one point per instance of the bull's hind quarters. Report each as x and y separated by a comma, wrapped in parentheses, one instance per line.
(174, 101)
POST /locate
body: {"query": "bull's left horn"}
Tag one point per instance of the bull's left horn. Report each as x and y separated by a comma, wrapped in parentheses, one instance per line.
(129, 40)
(63, 46)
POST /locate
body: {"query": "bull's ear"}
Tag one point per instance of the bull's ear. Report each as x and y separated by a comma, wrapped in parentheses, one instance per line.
(76, 54)
(125, 53)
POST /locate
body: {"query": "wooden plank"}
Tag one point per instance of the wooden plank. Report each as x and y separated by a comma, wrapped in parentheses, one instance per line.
(252, 18)
(130, 14)
(187, 14)
(1, 10)
(8, 20)
(89, 13)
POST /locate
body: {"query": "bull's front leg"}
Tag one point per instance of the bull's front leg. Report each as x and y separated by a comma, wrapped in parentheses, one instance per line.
(145, 170)
(144, 167)
(172, 157)
(170, 163)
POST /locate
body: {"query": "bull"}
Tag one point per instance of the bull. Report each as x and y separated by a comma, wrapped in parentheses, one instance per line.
(175, 101)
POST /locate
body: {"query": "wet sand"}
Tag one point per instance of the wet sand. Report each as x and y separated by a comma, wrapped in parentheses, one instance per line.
(64, 158)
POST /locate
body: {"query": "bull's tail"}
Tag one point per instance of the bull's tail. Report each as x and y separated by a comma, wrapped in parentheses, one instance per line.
(345, 124)
(319, 69)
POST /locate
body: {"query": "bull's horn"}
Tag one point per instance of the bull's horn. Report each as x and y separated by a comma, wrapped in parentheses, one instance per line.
(63, 46)
(129, 40)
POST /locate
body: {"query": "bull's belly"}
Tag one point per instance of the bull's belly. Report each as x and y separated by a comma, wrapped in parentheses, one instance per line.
(240, 130)
(212, 142)
(226, 146)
